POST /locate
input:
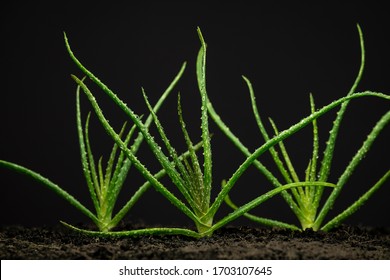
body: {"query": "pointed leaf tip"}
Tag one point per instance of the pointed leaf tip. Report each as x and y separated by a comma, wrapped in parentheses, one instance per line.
(201, 37)
(65, 37)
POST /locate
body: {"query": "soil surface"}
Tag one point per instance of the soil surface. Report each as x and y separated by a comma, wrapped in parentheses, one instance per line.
(346, 242)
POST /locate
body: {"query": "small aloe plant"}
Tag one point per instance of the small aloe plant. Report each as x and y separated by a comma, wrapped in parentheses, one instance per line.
(193, 180)
(304, 200)
(104, 187)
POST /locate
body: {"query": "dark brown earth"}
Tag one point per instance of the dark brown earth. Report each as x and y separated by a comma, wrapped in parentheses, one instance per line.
(346, 242)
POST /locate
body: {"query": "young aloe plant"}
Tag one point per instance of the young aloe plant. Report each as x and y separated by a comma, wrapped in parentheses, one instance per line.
(193, 181)
(104, 187)
(305, 199)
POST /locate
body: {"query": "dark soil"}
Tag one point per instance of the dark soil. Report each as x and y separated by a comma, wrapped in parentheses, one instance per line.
(346, 242)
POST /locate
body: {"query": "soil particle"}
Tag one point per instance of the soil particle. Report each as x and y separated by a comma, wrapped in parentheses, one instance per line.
(346, 242)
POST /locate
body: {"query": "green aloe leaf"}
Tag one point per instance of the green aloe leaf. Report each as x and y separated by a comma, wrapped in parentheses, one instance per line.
(52, 186)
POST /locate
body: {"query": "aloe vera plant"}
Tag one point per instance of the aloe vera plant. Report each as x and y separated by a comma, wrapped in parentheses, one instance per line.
(304, 200)
(104, 187)
(193, 180)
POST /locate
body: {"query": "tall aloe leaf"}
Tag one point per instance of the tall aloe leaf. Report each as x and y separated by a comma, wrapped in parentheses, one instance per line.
(329, 150)
(201, 76)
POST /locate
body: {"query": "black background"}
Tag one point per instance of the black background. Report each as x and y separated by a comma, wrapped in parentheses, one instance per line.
(287, 51)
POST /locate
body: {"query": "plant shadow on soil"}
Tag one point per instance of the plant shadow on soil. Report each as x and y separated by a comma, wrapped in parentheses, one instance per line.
(345, 242)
